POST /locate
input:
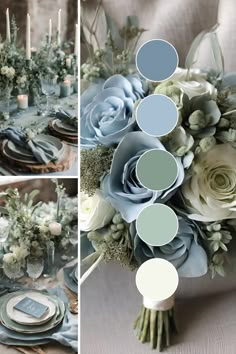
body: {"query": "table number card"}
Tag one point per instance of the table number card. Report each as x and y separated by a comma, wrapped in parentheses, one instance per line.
(31, 307)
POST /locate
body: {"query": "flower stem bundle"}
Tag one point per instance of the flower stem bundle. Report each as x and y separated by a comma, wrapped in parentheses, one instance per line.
(155, 326)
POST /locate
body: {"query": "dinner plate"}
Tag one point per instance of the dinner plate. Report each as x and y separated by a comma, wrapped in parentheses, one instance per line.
(18, 150)
(63, 131)
(69, 281)
(15, 153)
(18, 157)
(65, 126)
(23, 318)
(17, 327)
(76, 273)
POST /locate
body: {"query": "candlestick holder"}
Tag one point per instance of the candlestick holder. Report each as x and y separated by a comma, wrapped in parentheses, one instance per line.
(28, 63)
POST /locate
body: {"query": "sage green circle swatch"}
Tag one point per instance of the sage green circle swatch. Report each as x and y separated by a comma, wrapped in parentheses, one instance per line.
(157, 115)
(157, 225)
(157, 60)
(156, 169)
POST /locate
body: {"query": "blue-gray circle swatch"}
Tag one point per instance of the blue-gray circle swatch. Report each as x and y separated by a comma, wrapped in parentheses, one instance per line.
(156, 60)
(157, 115)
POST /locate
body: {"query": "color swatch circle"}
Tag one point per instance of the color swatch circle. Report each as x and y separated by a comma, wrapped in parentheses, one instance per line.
(157, 115)
(157, 225)
(157, 60)
(156, 169)
(157, 279)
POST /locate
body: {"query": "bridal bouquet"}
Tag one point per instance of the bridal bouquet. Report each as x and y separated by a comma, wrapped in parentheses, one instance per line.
(203, 144)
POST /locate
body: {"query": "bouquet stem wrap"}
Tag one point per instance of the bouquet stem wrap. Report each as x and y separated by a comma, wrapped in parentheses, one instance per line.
(156, 322)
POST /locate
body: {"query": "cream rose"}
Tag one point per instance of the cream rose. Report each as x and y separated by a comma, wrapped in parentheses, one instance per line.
(55, 228)
(95, 211)
(210, 193)
(194, 85)
(9, 258)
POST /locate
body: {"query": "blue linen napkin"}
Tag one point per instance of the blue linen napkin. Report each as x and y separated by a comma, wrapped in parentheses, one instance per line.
(66, 116)
(65, 333)
(43, 151)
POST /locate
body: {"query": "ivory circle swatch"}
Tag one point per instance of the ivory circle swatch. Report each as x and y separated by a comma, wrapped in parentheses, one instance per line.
(157, 224)
(157, 279)
(157, 115)
(156, 169)
(157, 60)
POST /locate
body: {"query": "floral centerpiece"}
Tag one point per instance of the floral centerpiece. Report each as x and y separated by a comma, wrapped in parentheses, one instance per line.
(203, 144)
(41, 231)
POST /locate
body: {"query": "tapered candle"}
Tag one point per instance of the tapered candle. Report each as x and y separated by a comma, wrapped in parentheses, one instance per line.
(76, 39)
(8, 30)
(50, 31)
(59, 27)
(28, 39)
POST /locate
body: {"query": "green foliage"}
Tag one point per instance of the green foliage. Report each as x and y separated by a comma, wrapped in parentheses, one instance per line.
(94, 164)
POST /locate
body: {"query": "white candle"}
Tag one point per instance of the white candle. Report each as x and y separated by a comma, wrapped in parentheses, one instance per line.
(68, 63)
(8, 30)
(59, 27)
(50, 31)
(22, 101)
(76, 39)
(28, 39)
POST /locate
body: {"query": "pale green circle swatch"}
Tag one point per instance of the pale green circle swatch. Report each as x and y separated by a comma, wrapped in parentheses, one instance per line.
(156, 169)
(157, 115)
(157, 225)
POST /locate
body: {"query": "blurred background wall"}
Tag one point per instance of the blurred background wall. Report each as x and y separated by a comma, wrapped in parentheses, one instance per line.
(177, 21)
(40, 11)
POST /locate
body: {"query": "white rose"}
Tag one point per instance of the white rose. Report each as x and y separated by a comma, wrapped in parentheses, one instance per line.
(11, 73)
(210, 193)
(95, 211)
(4, 70)
(181, 74)
(55, 228)
(9, 258)
(195, 85)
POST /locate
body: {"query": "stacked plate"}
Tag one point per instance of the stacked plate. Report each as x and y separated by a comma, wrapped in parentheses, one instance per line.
(34, 329)
(71, 278)
(63, 130)
(22, 155)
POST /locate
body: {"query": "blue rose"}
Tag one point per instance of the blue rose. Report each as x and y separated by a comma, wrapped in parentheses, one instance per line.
(184, 251)
(121, 187)
(107, 110)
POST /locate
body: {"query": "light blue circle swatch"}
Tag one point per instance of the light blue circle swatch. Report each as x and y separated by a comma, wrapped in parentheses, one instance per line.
(157, 115)
(156, 169)
(157, 225)
(156, 60)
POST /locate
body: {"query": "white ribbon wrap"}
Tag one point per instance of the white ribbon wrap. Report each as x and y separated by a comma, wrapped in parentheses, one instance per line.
(163, 305)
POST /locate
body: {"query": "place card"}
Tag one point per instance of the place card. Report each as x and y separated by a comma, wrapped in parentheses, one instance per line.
(31, 307)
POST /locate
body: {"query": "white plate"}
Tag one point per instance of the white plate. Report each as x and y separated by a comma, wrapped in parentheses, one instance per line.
(23, 318)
